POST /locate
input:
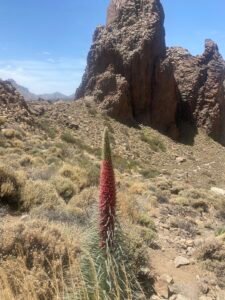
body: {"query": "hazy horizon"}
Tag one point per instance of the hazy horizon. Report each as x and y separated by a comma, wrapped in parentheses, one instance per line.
(44, 45)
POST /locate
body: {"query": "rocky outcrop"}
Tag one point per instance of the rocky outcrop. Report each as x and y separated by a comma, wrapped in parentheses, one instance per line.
(200, 82)
(128, 73)
(132, 76)
(12, 104)
(9, 96)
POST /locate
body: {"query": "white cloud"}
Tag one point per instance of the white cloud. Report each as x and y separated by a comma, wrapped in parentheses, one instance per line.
(45, 53)
(48, 76)
(51, 60)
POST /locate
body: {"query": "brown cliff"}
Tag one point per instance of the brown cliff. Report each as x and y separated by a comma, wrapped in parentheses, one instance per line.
(200, 82)
(132, 76)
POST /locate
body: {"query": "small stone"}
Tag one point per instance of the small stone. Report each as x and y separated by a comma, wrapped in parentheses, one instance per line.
(218, 191)
(190, 251)
(204, 288)
(180, 159)
(167, 278)
(161, 288)
(181, 261)
(181, 297)
(190, 243)
(140, 296)
(24, 218)
(154, 297)
(166, 226)
(173, 297)
(145, 271)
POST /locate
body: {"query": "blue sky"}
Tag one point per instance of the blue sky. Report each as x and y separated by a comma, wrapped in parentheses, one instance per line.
(44, 43)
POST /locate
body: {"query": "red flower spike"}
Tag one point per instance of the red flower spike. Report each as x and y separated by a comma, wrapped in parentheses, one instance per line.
(107, 199)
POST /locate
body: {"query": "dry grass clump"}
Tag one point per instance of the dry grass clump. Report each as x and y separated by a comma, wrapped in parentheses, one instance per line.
(26, 161)
(61, 214)
(212, 253)
(199, 199)
(46, 126)
(2, 120)
(11, 133)
(136, 209)
(155, 143)
(36, 260)
(78, 175)
(92, 168)
(68, 137)
(3, 141)
(86, 199)
(41, 172)
(9, 188)
(220, 206)
(65, 188)
(163, 183)
(39, 192)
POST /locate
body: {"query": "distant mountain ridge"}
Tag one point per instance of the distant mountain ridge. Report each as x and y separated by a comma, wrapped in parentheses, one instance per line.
(28, 96)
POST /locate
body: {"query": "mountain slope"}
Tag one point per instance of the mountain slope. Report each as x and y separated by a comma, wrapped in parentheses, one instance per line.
(28, 96)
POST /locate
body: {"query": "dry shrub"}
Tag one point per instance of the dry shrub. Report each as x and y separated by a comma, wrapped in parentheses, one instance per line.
(220, 206)
(145, 235)
(65, 188)
(11, 133)
(63, 213)
(3, 120)
(163, 183)
(76, 174)
(39, 192)
(26, 160)
(136, 209)
(36, 260)
(9, 188)
(85, 199)
(212, 253)
(196, 194)
(137, 187)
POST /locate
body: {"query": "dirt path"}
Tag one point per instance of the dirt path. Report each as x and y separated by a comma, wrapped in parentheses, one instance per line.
(190, 282)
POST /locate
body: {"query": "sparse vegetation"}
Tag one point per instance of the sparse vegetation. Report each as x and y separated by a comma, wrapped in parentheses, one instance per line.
(46, 126)
(68, 138)
(2, 120)
(54, 183)
(154, 142)
(9, 188)
(11, 133)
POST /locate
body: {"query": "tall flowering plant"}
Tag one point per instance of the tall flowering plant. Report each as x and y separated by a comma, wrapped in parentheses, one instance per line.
(107, 195)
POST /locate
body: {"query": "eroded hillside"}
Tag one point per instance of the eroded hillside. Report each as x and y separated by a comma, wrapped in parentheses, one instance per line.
(170, 203)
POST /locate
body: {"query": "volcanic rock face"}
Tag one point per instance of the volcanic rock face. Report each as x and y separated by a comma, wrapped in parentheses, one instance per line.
(131, 75)
(128, 73)
(201, 85)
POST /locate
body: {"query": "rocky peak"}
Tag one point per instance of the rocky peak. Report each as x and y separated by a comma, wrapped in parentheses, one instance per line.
(133, 44)
(211, 52)
(128, 12)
